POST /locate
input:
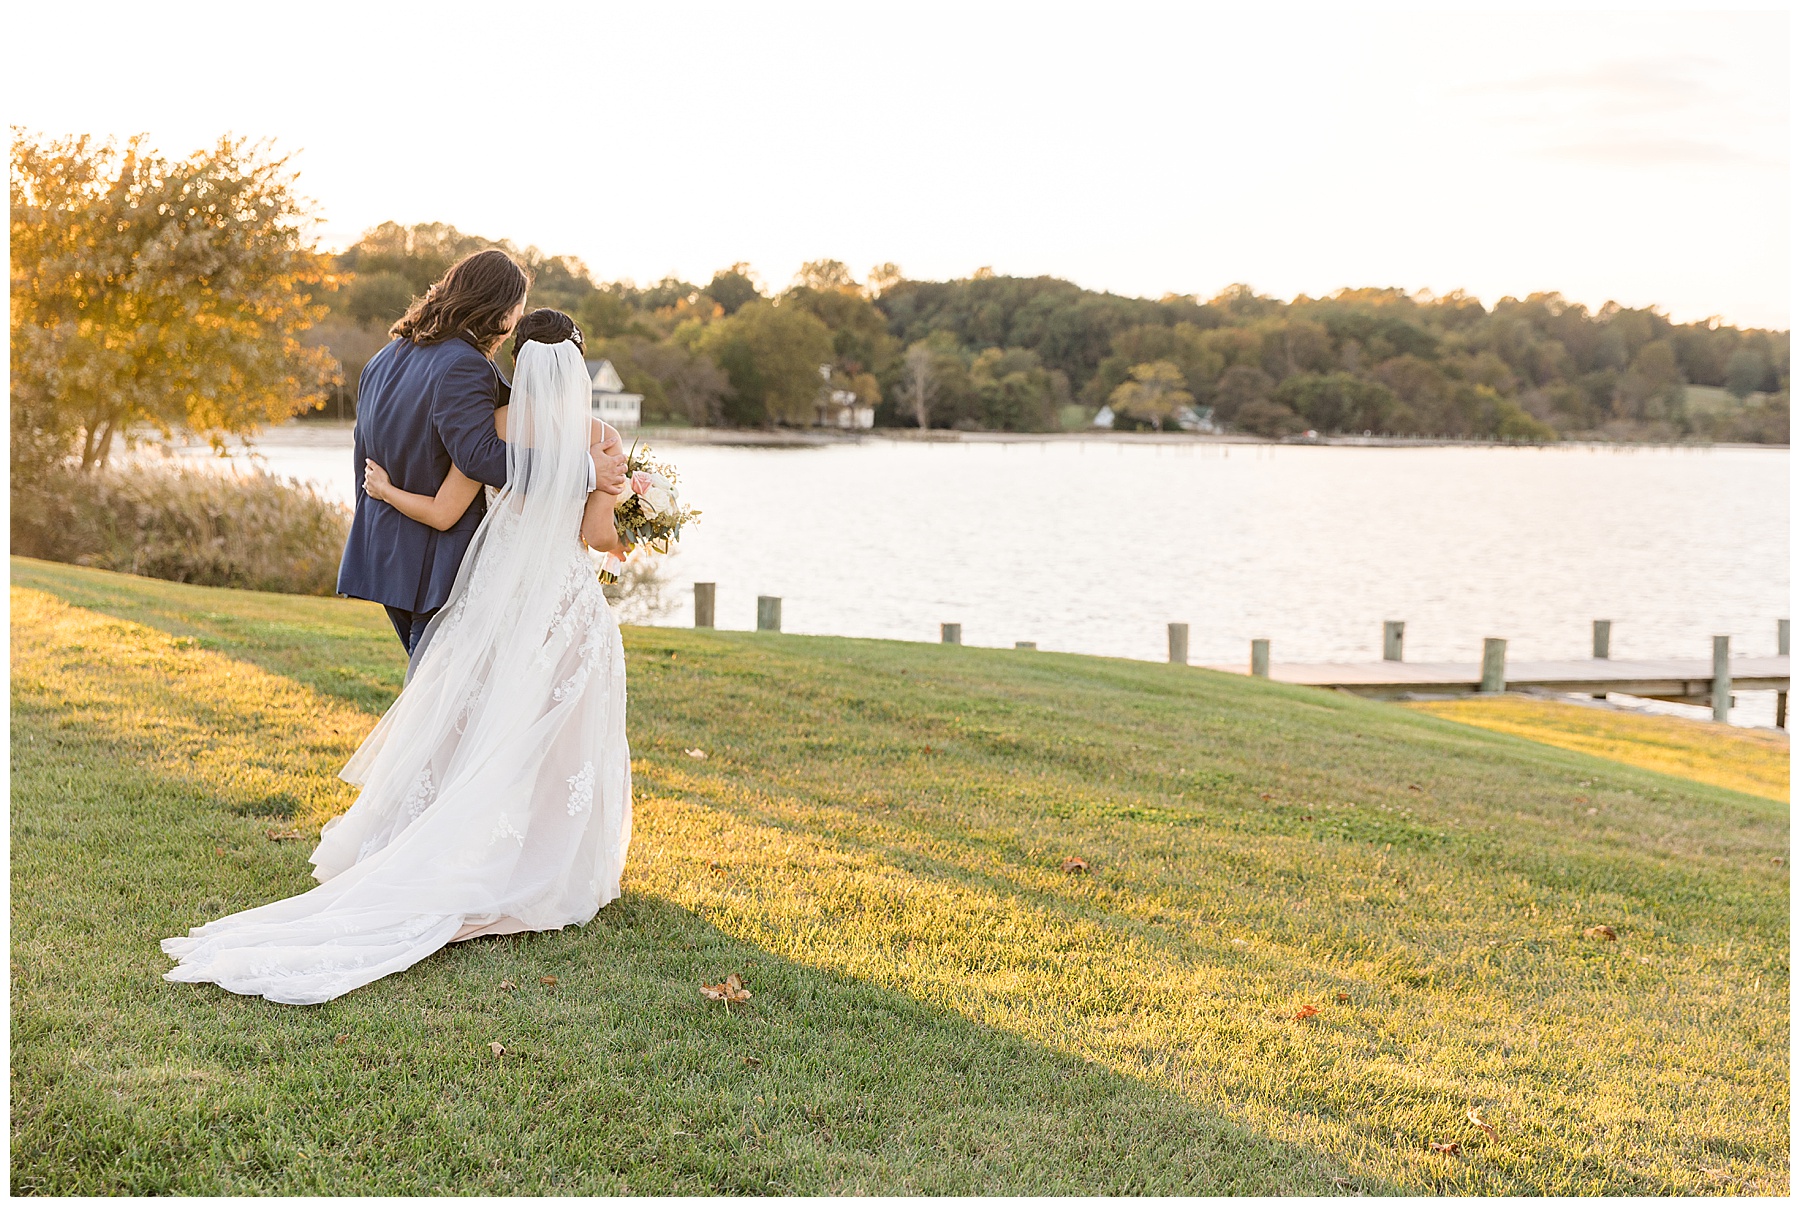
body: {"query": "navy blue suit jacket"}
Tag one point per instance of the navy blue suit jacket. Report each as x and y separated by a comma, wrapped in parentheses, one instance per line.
(421, 408)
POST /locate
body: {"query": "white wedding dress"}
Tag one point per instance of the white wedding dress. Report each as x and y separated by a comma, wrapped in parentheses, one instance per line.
(496, 792)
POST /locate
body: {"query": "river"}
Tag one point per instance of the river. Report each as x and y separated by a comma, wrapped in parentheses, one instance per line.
(1094, 545)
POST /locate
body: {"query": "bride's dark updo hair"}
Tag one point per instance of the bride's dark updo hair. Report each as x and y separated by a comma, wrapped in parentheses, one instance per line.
(546, 326)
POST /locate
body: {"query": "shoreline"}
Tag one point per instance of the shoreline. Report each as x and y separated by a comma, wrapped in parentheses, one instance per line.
(321, 432)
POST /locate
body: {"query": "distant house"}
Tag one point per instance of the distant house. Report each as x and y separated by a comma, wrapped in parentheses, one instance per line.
(609, 401)
(840, 408)
(1196, 419)
(1188, 419)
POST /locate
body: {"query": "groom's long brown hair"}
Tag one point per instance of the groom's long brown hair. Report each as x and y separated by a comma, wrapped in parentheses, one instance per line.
(474, 299)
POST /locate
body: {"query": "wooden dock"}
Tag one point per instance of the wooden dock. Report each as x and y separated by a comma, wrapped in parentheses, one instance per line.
(1680, 680)
(1684, 680)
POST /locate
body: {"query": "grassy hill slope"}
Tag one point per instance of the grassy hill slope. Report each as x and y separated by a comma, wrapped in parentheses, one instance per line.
(1728, 756)
(873, 840)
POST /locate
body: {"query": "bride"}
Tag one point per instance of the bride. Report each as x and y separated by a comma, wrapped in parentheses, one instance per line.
(496, 792)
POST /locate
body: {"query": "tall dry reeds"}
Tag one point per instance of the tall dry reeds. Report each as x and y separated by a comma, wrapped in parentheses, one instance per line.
(237, 529)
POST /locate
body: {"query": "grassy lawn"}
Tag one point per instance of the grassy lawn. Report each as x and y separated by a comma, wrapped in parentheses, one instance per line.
(1748, 760)
(873, 840)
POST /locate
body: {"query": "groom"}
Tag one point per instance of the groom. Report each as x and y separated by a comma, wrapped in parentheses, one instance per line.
(426, 402)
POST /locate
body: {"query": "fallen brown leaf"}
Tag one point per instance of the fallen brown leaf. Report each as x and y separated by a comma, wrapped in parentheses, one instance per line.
(695, 753)
(1581, 800)
(730, 991)
(1343, 1183)
(344, 1038)
(1305, 1012)
(1343, 999)
(1268, 796)
(1074, 863)
(497, 1048)
(546, 980)
(1486, 1127)
(283, 835)
(1605, 934)
(507, 985)
(752, 1061)
(1448, 1147)
(1414, 788)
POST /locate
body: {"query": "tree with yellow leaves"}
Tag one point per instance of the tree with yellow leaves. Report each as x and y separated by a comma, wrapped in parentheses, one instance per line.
(1155, 392)
(155, 292)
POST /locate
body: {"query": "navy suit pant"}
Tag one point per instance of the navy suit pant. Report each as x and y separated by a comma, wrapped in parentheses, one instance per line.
(410, 625)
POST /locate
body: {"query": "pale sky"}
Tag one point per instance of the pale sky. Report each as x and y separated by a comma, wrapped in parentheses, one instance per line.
(1642, 157)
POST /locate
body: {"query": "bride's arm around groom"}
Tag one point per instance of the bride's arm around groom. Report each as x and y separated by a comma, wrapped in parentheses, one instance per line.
(426, 402)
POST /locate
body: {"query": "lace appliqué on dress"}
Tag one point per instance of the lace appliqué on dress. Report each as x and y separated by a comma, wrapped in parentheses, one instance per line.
(581, 790)
(420, 797)
(569, 611)
(506, 830)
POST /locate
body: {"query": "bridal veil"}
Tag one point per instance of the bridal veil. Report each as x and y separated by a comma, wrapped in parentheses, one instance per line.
(496, 791)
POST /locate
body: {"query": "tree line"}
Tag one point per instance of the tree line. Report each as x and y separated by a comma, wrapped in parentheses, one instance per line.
(156, 293)
(1035, 354)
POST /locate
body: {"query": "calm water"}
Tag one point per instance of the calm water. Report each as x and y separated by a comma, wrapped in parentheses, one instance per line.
(1093, 546)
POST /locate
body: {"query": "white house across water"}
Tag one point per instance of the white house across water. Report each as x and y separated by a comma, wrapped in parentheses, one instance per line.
(609, 401)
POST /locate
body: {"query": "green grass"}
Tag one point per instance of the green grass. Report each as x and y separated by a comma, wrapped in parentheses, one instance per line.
(873, 842)
(1727, 756)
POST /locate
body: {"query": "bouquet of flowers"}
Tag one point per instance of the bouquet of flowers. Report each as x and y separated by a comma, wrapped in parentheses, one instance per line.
(649, 511)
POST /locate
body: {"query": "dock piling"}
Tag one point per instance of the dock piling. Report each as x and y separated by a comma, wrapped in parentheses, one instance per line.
(1259, 657)
(704, 594)
(768, 613)
(1493, 664)
(1721, 679)
(950, 634)
(1602, 647)
(1393, 639)
(1178, 643)
(1781, 647)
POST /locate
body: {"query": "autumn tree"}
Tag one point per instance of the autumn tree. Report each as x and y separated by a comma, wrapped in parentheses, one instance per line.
(859, 332)
(884, 277)
(1652, 387)
(733, 288)
(1744, 372)
(153, 291)
(918, 382)
(771, 353)
(1155, 392)
(1239, 387)
(1342, 402)
(1015, 392)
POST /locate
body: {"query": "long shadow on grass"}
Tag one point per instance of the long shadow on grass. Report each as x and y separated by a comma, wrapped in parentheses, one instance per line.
(618, 1076)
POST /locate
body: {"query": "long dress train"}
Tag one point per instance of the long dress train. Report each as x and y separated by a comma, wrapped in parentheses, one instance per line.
(496, 791)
